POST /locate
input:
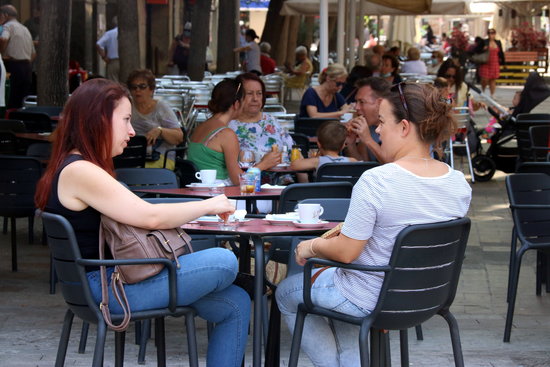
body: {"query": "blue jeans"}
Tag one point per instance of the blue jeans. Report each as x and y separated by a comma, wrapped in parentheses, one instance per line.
(204, 282)
(327, 343)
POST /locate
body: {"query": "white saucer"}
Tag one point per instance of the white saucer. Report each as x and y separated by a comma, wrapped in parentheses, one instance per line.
(319, 224)
(202, 186)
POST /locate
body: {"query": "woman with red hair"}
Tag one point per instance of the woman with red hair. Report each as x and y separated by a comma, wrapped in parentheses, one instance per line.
(79, 184)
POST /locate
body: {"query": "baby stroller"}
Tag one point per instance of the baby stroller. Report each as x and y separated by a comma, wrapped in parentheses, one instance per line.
(502, 153)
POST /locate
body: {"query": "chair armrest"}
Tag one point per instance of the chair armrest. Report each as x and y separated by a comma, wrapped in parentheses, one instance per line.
(530, 206)
(177, 149)
(315, 261)
(166, 262)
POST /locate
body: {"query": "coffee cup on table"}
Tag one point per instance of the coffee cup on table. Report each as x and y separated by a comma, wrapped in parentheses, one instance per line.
(207, 176)
(309, 213)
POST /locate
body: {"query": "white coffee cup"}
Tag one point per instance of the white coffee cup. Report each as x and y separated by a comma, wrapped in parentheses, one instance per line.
(310, 213)
(207, 176)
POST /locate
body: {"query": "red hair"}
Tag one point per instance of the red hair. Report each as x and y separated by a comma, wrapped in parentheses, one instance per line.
(85, 126)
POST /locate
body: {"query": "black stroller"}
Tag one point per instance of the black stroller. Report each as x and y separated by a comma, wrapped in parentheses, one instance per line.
(502, 153)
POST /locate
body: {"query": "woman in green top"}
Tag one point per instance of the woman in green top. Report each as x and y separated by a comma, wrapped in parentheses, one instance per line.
(213, 145)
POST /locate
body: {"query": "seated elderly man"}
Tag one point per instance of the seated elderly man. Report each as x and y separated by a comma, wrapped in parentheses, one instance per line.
(413, 63)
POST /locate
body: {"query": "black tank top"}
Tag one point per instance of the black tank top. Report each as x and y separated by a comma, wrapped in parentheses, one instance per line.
(85, 222)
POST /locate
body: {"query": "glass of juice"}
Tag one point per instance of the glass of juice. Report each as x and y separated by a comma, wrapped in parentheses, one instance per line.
(247, 183)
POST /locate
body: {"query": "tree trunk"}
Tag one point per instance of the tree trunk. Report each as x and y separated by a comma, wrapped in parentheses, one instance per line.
(199, 39)
(53, 61)
(273, 25)
(293, 27)
(128, 38)
(309, 25)
(228, 26)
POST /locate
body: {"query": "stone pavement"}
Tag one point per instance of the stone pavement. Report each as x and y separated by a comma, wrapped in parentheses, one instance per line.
(31, 319)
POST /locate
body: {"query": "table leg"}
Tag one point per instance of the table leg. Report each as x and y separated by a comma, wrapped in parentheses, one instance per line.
(244, 255)
(258, 299)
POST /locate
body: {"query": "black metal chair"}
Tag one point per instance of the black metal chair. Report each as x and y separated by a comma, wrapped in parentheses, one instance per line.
(41, 151)
(52, 111)
(350, 171)
(534, 167)
(70, 268)
(420, 281)
(529, 195)
(523, 124)
(8, 143)
(308, 126)
(14, 126)
(35, 122)
(538, 136)
(133, 156)
(18, 178)
(147, 178)
(185, 170)
(293, 194)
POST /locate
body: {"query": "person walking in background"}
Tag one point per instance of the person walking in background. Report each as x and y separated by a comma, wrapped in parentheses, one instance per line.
(268, 64)
(18, 52)
(179, 50)
(490, 72)
(107, 48)
(252, 52)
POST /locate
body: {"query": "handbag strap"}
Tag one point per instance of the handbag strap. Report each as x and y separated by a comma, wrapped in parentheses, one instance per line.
(118, 291)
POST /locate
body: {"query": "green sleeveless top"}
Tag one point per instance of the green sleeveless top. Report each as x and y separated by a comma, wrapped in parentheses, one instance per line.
(207, 158)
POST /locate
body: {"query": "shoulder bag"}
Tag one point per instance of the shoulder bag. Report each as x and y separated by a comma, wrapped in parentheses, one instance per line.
(129, 242)
(480, 58)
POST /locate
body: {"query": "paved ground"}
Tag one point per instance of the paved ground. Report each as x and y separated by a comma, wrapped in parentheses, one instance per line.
(30, 318)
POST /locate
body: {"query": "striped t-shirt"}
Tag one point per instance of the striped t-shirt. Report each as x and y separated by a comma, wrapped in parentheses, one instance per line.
(385, 200)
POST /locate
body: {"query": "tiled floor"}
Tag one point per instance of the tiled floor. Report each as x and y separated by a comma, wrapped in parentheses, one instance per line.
(30, 318)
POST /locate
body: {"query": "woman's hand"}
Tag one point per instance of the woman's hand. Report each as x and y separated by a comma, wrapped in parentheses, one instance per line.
(269, 160)
(219, 204)
(153, 134)
(304, 251)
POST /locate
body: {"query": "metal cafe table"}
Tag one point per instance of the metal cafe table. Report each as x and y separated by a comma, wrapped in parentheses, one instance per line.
(255, 229)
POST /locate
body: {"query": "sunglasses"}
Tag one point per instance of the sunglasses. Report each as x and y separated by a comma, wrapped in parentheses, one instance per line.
(447, 76)
(340, 84)
(237, 92)
(399, 88)
(492, 32)
(141, 86)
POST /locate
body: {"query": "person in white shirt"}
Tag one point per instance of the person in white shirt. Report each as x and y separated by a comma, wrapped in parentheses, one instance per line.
(18, 52)
(413, 189)
(252, 53)
(107, 48)
(414, 64)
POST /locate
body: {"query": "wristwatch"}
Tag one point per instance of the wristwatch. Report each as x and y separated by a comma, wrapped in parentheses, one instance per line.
(160, 129)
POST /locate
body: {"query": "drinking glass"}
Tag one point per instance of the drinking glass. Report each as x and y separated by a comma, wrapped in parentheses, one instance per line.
(228, 223)
(246, 159)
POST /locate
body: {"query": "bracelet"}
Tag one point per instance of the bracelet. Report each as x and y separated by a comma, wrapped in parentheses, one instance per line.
(311, 246)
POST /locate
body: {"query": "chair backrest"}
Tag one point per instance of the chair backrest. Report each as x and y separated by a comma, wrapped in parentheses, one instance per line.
(426, 261)
(274, 108)
(39, 150)
(308, 126)
(533, 116)
(334, 210)
(350, 171)
(538, 137)
(134, 154)
(51, 111)
(534, 167)
(72, 277)
(147, 178)
(8, 143)
(18, 178)
(523, 138)
(295, 193)
(14, 126)
(35, 122)
(185, 170)
(301, 141)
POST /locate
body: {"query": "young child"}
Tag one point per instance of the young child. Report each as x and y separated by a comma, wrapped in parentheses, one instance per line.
(331, 138)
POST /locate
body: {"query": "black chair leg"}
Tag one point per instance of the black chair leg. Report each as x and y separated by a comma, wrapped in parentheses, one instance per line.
(386, 350)
(455, 338)
(513, 244)
(64, 339)
(539, 270)
(31, 229)
(364, 345)
(145, 334)
(160, 342)
(99, 345)
(513, 288)
(404, 347)
(13, 245)
(419, 334)
(272, 352)
(297, 338)
(83, 337)
(375, 348)
(120, 338)
(191, 340)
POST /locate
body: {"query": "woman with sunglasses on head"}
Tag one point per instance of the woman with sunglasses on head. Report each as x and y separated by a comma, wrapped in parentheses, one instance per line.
(80, 185)
(490, 72)
(459, 90)
(213, 144)
(412, 189)
(323, 100)
(153, 119)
